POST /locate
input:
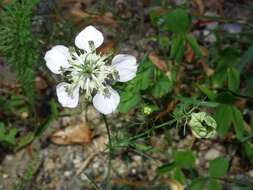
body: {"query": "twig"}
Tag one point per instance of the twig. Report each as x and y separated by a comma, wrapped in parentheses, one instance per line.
(86, 163)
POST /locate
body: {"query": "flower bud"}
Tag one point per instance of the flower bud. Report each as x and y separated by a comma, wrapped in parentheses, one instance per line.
(147, 110)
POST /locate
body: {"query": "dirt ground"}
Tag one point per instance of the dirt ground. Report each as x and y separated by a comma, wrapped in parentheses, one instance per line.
(65, 167)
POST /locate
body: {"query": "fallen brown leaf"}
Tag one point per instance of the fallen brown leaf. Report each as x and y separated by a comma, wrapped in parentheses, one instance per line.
(174, 185)
(79, 16)
(200, 5)
(159, 63)
(171, 105)
(189, 55)
(40, 84)
(77, 134)
(107, 47)
(209, 72)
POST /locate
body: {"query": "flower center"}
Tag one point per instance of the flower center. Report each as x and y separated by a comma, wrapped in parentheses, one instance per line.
(91, 73)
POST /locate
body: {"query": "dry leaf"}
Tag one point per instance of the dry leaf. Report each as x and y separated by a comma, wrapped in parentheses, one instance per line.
(200, 5)
(158, 62)
(77, 134)
(209, 72)
(106, 19)
(174, 185)
(107, 47)
(40, 84)
(241, 103)
(189, 55)
(171, 105)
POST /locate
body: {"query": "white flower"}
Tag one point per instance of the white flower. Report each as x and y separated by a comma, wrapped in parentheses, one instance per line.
(88, 72)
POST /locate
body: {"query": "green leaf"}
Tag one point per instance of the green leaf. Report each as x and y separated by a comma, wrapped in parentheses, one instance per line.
(162, 86)
(197, 184)
(24, 140)
(226, 98)
(228, 58)
(7, 137)
(185, 159)
(214, 185)
(218, 167)
(223, 117)
(233, 79)
(248, 148)
(178, 175)
(177, 47)
(142, 79)
(195, 102)
(176, 21)
(209, 93)
(166, 168)
(238, 123)
(128, 101)
(247, 58)
(194, 45)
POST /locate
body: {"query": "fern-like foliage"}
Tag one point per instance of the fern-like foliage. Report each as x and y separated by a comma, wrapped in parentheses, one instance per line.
(17, 43)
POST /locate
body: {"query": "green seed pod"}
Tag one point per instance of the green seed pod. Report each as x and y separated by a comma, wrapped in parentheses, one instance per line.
(202, 125)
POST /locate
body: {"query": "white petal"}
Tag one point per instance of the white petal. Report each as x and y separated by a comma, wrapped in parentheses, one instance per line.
(57, 58)
(106, 105)
(66, 99)
(90, 33)
(126, 66)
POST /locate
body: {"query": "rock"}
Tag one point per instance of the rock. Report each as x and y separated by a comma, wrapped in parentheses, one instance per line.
(67, 173)
(49, 165)
(5, 176)
(212, 154)
(232, 28)
(250, 173)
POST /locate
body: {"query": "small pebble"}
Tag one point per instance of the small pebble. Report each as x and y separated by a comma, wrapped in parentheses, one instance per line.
(232, 28)
(251, 173)
(67, 173)
(212, 154)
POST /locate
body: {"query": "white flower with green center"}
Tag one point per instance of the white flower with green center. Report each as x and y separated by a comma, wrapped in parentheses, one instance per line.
(89, 73)
(202, 125)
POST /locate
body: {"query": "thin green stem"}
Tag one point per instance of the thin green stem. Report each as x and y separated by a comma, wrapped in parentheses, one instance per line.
(109, 151)
(152, 129)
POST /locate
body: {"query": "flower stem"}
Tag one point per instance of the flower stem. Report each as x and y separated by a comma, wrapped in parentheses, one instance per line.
(109, 150)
